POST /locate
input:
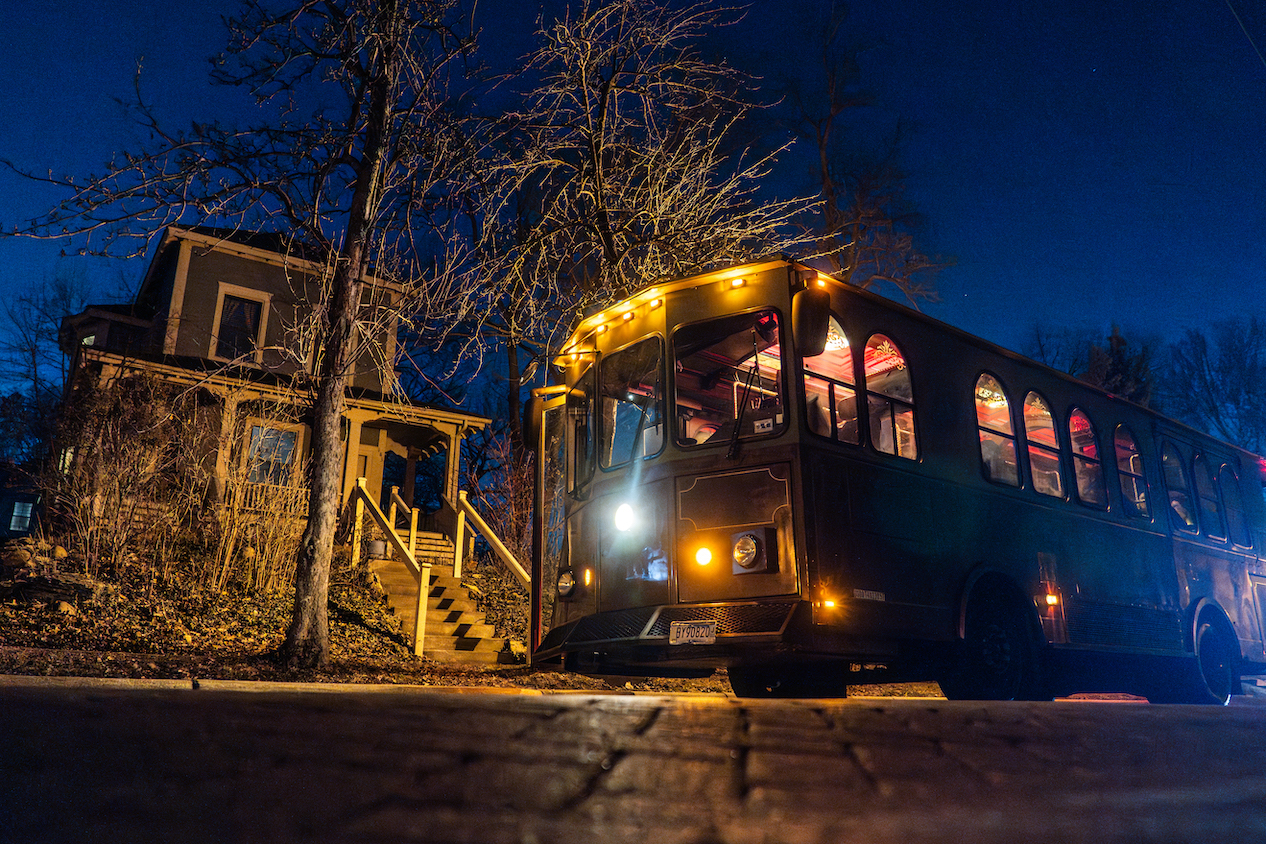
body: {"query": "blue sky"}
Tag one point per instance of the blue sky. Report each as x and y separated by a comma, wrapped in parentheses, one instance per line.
(1085, 162)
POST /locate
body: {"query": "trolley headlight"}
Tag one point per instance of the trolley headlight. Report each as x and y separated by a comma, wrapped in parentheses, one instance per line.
(746, 550)
(625, 518)
(566, 584)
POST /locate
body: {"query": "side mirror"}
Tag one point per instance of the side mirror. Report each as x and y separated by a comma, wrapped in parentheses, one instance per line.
(533, 414)
(810, 320)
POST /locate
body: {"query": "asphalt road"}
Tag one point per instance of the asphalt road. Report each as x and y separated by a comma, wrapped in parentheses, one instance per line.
(161, 763)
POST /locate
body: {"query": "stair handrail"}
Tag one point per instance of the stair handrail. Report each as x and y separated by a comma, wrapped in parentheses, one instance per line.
(466, 509)
(420, 571)
(398, 503)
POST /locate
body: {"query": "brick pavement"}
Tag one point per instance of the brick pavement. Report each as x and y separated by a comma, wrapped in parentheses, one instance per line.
(125, 764)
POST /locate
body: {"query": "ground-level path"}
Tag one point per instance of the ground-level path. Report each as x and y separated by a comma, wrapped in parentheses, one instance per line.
(236, 762)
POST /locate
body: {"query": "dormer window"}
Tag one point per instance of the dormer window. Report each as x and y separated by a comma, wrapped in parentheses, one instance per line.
(240, 320)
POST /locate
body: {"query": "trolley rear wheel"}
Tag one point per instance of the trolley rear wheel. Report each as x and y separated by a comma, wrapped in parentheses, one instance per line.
(1212, 675)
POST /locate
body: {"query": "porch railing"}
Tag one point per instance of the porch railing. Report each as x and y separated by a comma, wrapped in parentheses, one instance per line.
(270, 498)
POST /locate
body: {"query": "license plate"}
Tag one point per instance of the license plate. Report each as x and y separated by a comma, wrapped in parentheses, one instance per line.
(692, 633)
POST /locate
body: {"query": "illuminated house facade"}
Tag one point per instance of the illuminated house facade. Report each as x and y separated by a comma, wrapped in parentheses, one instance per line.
(222, 316)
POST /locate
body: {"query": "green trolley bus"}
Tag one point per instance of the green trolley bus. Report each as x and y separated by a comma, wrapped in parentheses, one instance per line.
(769, 470)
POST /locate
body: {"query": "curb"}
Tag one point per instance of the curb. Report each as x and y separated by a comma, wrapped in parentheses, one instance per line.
(258, 686)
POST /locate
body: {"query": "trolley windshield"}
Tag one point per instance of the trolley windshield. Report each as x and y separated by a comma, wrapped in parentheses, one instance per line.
(728, 379)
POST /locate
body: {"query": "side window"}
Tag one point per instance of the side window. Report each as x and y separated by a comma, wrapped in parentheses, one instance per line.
(1236, 521)
(998, 456)
(829, 392)
(889, 399)
(1087, 467)
(1207, 495)
(580, 425)
(1039, 430)
(1181, 508)
(1130, 470)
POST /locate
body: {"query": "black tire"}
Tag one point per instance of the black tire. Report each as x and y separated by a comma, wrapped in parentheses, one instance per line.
(1217, 656)
(1217, 664)
(999, 657)
(1209, 677)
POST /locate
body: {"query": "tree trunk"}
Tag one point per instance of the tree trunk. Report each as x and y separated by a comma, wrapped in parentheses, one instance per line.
(307, 643)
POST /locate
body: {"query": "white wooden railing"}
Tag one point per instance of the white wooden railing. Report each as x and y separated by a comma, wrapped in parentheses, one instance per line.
(455, 516)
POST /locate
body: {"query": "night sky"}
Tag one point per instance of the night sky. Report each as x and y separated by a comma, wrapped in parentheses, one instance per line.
(1084, 162)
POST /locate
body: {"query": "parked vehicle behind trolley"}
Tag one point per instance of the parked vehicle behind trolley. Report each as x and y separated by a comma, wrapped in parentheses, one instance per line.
(772, 471)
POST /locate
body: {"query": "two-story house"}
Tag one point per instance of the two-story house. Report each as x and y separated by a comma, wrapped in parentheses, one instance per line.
(227, 316)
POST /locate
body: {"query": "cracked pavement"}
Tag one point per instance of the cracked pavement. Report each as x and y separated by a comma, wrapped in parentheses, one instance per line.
(140, 763)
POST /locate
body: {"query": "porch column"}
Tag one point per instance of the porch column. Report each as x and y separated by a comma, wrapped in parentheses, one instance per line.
(452, 461)
(224, 451)
(351, 454)
(410, 473)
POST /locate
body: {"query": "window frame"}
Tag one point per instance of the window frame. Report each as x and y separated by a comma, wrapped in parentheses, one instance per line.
(1010, 436)
(1054, 453)
(1080, 458)
(1185, 489)
(297, 454)
(604, 457)
(890, 403)
(1233, 503)
(250, 294)
(1131, 505)
(672, 361)
(1208, 499)
(830, 384)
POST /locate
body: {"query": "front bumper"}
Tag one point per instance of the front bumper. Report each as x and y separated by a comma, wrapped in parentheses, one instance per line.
(639, 637)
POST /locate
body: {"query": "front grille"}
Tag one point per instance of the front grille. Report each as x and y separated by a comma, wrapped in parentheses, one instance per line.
(731, 619)
(623, 624)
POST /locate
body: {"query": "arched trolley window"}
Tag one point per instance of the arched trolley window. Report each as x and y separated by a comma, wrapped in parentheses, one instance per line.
(998, 454)
(1182, 510)
(1130, 471)
(1039, 430)
(829, 392)
(1087, 466)
(1207, 495)
(1236, 520)
(889, 399)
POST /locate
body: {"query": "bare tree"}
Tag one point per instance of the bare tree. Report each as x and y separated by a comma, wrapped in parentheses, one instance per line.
(616, 172)
(31, 361)
(360, 183)
(1218, 383)
(863, 222)
(1115, 363)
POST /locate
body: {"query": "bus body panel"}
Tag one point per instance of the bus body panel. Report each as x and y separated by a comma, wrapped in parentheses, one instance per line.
(849, 547)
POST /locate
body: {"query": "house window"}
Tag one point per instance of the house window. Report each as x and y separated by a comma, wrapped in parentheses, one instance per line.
(20, 522)
(238, 334)
(241, 323)
(271, 458)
